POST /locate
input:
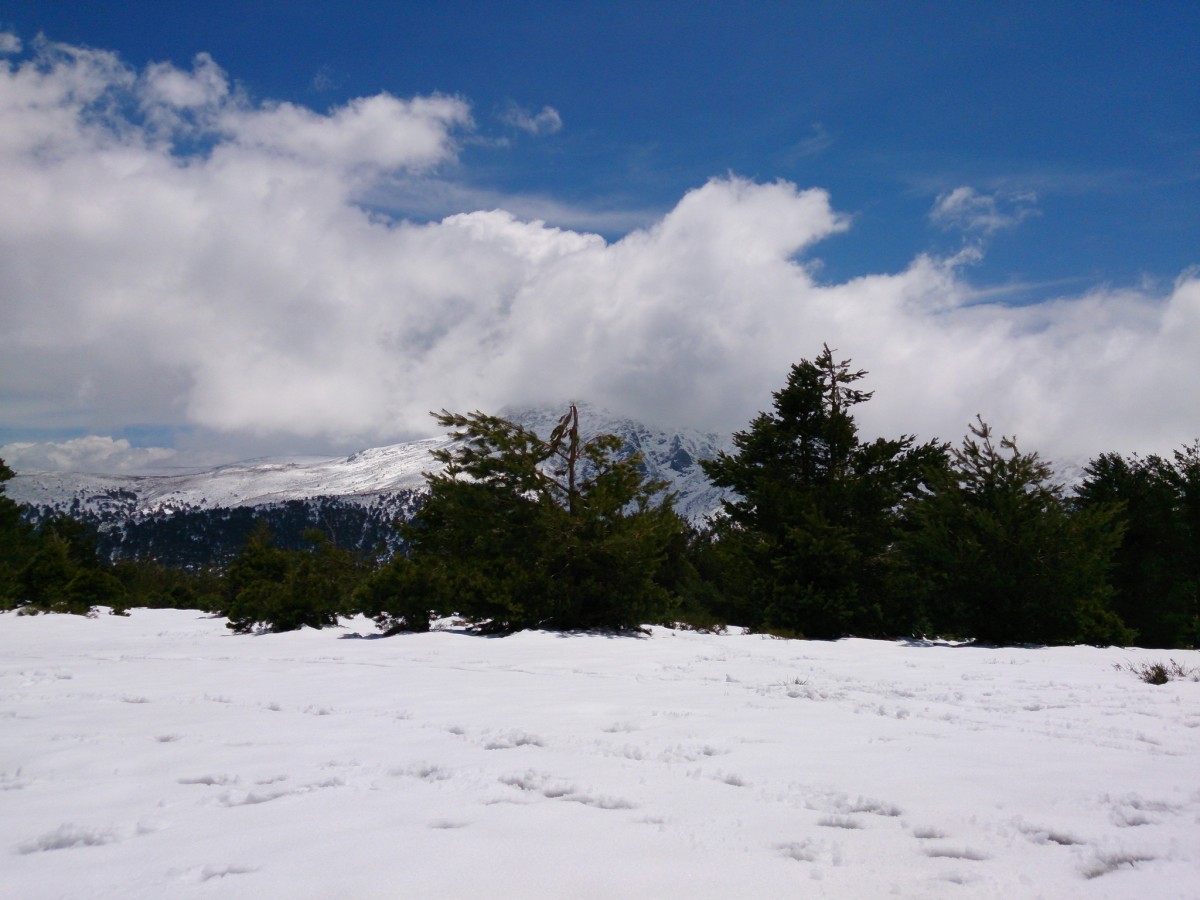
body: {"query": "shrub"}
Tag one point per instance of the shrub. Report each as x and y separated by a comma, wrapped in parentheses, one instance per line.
(1160, 672)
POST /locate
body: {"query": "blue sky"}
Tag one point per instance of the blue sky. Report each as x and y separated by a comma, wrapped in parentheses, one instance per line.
(1092, 107)
(1043, 152)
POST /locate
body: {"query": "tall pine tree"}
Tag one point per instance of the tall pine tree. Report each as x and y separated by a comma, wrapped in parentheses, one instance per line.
(812, 527)
(1157, 565)
(524, 531)
(1000, 556)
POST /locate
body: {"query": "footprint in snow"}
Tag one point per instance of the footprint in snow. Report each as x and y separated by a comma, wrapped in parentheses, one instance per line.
(870, 806)
(927, 834)
(1133, 810)
(511, 739)
(553, 789)
(200, 874)
(14, 782)
(424, 771)
(210, 780)
(1105, 863)
(1048, 836)
(840, 822)
(68, 836)
(801, 851)
(252, 798)
(968, 853)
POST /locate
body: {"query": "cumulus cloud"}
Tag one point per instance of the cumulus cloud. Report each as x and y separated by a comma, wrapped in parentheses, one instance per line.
(86, 454)
(381, 131)
(9, 42)
(171, 253)
(966, 209)
(548, 121)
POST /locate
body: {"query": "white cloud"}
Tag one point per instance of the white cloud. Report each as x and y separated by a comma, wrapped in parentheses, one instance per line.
(548, 121)
(86, 454)
(243, 291)
(205, 86)
(379, 131)
(967, 209)
(9, 42)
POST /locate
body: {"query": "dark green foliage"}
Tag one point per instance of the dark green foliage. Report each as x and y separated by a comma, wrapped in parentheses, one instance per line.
(199, 539)
(724, 572)
(58, 577)
(150, 584)
(281, 590)
(399, 596)
(998, 555)
(15, 541)
(79, 539)
(1157, 566)
(42, 581)
(95, 587)
(54, 568)
(807, 542)
(59, 570)
(525, 532)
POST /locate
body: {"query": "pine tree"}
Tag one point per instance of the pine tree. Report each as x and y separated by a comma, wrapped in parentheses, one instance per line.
(814, 517)
(282, 590)
(1156, 573)
(42, 581)
(521, 531)
(15, 542)
(1003, 558)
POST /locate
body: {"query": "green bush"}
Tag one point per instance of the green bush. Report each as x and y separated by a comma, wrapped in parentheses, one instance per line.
(279, 590)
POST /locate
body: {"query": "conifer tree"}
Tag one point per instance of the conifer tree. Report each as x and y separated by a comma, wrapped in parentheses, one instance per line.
(522, 531)
(283, 590)
(14, 542)
(812, 525)
(1004, 559)
(1156, 574)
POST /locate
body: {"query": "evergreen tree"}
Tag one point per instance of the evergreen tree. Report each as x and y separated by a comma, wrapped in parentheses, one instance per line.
(256, 582)
(400, 595)
(42, 581)
(148, 583)
(521, 531)
(1001, 557)
(282, 590)
(56, 568)
(1157, 566)
(811, 530)
(15, 540)
(94, 587)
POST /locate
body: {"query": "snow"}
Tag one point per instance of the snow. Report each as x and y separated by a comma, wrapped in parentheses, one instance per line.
(160, 756)
(252, 483)
(669, 456)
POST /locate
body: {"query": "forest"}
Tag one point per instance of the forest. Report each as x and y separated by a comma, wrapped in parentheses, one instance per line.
(825, 536)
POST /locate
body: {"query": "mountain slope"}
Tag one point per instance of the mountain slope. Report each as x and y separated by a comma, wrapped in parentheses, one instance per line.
(356, 497)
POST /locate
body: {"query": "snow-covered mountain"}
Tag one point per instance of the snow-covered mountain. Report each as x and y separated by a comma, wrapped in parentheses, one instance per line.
(363, 478)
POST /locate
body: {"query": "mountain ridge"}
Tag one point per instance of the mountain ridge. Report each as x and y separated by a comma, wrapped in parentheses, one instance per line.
(368, 477)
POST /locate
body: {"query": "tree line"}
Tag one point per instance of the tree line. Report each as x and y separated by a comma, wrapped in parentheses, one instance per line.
(824, 535)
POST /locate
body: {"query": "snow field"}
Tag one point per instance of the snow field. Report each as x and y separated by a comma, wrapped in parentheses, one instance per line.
(161, 756)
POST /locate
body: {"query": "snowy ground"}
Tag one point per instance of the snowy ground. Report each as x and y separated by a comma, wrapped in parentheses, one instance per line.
(159, 756)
